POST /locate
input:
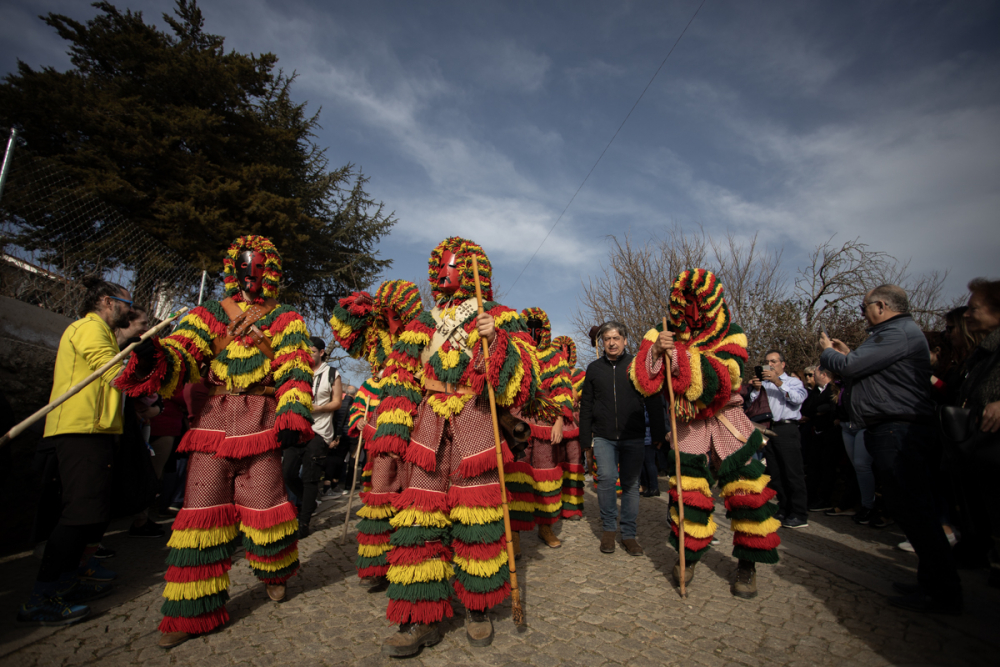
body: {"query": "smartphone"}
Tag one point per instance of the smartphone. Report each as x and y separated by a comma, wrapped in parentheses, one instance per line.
(759, 372)
(822, 330)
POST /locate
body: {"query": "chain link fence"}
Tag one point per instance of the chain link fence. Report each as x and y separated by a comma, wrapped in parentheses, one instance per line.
(53, 232)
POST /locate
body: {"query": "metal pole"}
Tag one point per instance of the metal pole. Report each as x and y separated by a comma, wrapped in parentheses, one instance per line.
(201, 292)
(7, 159)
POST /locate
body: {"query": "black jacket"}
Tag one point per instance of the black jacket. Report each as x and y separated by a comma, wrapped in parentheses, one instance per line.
(611, 407)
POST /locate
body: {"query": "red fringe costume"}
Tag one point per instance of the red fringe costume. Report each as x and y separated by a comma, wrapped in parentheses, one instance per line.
(360, 326)
(706, 367)
(448, 517)
(572, 462)
(234, 481)
(535, 479)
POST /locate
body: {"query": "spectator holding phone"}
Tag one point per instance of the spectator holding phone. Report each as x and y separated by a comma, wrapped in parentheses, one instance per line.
(783, 452)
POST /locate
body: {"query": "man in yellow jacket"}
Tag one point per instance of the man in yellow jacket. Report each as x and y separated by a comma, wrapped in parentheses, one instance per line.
(82, 431)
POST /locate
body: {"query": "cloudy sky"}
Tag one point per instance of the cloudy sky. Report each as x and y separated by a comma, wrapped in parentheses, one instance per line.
(800, 121)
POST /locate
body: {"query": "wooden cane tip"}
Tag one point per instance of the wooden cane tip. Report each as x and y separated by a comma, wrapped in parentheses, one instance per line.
(517, 614)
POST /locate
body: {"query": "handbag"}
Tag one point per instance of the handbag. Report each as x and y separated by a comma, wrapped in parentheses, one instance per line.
(759, 410)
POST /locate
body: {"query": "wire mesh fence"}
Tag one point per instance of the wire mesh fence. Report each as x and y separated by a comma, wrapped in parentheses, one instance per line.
(53, 232)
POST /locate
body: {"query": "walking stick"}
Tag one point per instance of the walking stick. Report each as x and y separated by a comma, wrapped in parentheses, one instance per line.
(78, 387)
(677, 465)
(517, 612)
(354, 475)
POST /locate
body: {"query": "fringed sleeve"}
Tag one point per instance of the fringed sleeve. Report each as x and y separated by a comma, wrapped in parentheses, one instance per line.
(350, 320)
(401, 390)
(365, 402)
(513, 370)
(292, 367)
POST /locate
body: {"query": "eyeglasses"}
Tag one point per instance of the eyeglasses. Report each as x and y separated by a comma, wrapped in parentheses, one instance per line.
(809, 375)
(125, 301)
(865, 304)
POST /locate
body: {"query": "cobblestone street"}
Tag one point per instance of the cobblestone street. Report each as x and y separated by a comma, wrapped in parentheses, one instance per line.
(823, 604)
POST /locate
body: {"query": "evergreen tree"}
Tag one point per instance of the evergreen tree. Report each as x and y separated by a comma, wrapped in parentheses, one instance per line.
(198, 146)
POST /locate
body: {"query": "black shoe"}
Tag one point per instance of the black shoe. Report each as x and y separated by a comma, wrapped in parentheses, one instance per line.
(780, 516)
(148, 529)
(863, 516)
(794, 522)
(925, 604)
(906, 589)
(85, 591)
(104, 552)
(820, 507)
(879, 520)
(836, 511)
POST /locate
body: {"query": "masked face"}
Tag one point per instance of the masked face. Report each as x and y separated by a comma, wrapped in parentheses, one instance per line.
(448, 276)
(535, 330)
(250, 271)
(395, 324)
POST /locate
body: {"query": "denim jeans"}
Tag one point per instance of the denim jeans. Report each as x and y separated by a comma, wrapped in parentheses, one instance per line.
(854, 443)
(906, 464)
(622, 460)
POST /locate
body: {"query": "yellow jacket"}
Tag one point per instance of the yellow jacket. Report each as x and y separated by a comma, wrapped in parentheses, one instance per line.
(86, 345)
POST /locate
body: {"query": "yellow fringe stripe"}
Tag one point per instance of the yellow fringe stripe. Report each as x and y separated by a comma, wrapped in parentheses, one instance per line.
(296, 396)
(521, 477)
(372, 550)
(414, 517)
(575, 476)
(695, 530)
(396, 416)
(521, 506)
(550, 508)
(287, 367)
(476, 515)
(376, 511)
(449, 407)
(343, 330)
(201, 538)
(692, 484)
(746, 486)
(430, 570)
(414, 338)
(697, 385)
(272, 534)
(293, 327)
(481, 568)
(193, 590)
(548, 486)
(278, 564)
(761, 528)
(573, 500)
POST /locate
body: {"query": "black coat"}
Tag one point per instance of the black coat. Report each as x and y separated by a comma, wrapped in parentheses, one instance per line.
(611, 407)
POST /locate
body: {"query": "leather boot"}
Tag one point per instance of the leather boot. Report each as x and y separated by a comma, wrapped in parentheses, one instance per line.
(546, 535)
(479, 628)
(745, 583)
(608, 542)
(172, 639)
(688, 573)
(410, 638)
(516, 541)
(276, 592)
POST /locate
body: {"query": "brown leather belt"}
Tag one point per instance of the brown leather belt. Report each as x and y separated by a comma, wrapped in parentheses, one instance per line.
(253, 390)
(442, 388)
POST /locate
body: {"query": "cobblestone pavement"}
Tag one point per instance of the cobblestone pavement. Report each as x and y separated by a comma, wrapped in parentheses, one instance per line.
(822, 605)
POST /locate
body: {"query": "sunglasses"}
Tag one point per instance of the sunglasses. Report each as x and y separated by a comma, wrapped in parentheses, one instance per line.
(125, 301)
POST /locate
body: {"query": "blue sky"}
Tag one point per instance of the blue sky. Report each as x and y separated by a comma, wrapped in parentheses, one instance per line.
(800, 121)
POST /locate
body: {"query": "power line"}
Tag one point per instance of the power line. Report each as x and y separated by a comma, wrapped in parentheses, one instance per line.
(676, 42)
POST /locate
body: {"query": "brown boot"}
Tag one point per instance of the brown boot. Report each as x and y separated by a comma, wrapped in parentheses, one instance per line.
(608, 542)
(516, 541)
(745, 583)
(410, 638)
(172, 639)
(276, 592)
(688, 573)
(546, 535)
(632, 547)
(479, 628)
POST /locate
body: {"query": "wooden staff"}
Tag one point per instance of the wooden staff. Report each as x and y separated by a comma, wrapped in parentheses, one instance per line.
(75, 389)
(354, 476)
(517, 612)
(677, 464)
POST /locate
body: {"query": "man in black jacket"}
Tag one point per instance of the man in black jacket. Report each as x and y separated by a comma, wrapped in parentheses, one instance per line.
(612, 421)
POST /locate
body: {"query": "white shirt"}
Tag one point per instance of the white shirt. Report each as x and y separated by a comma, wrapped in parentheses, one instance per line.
(785, 401)
(324, 378)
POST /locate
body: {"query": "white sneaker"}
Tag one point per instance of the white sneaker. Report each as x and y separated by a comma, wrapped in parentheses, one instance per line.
(906, 546)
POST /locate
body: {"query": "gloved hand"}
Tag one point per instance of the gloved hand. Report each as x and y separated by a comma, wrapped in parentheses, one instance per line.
(288, 438)
(143, 352)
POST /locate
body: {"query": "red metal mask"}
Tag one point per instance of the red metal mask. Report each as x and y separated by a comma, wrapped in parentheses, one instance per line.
(250, 271)
(448, 278)
(393, 320)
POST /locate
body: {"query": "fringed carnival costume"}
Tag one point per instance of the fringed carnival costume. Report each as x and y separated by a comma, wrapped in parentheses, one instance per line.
(572, 463)
(713, 433)
(449, 520)
(367, 328)
(535, 479)
(253, 356)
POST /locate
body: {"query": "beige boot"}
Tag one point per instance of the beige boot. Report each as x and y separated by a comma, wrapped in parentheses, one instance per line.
(546, 535)
(410, 638)
(276, 592)
(172, 639)
(688, 573)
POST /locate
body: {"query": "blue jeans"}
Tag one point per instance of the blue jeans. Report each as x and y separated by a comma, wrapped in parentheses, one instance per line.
(854, 443)
(622, 460)
(907, 465)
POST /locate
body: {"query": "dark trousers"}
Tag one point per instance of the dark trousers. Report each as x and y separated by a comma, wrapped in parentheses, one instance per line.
(905, 460)
(305, 486)
(649, 475)
(821, 454)
(784, 466)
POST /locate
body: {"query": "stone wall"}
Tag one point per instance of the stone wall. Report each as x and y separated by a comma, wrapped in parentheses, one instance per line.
(29, 338)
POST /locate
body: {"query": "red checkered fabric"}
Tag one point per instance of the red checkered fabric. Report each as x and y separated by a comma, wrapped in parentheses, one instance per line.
(254, 482)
